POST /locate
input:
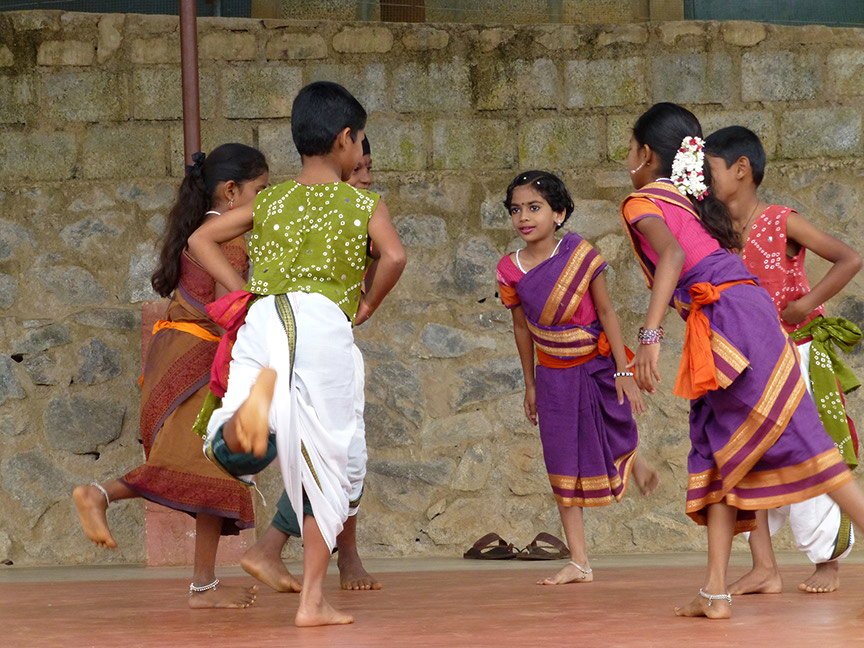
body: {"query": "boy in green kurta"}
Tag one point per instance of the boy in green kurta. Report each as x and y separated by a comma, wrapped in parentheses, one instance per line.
(293, 374)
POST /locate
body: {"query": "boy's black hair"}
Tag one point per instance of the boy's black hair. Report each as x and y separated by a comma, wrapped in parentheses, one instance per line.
(548, 185)
(734, 142)
(320, 112)
(367, 148)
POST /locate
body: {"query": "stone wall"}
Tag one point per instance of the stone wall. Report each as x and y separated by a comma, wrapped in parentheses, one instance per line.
(91, 155)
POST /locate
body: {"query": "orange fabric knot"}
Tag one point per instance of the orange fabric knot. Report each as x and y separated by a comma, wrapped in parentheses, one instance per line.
(697, 373)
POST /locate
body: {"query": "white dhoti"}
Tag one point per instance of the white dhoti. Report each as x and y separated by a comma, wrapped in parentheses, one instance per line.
(820, 529)
(308, 341)
(357, 454)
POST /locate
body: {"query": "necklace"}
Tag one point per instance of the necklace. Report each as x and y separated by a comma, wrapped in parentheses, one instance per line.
(519, 263)
(745, 231)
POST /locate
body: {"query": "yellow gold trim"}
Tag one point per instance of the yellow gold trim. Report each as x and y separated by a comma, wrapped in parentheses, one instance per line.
(762, 409)
(563, 282)
(579, 294)
(574, 334)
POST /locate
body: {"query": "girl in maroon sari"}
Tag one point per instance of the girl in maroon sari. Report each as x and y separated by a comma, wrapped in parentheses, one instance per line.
(175, 379)
(581, 392)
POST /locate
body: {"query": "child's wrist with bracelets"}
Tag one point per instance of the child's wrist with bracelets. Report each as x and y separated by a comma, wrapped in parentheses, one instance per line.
(650, 335)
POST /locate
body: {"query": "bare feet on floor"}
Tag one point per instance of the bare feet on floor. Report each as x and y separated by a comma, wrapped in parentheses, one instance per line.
(825, 579)
(758, 581)
(251, 422)
(702, 607)
(353, 576)
(91, 506)
(269, 570)
(310, 615)
(223, 596)
(647, 479)
(570, 573)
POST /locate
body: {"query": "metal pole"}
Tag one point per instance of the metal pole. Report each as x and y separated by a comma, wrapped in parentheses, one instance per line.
(189, 76)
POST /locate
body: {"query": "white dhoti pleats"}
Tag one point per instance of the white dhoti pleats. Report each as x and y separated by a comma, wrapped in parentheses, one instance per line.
(308, 341)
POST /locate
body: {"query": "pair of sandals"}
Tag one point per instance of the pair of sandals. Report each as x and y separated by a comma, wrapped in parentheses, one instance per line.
(544, 546)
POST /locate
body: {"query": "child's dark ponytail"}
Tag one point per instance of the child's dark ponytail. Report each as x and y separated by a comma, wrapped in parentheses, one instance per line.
(236, 162)
(663, 127)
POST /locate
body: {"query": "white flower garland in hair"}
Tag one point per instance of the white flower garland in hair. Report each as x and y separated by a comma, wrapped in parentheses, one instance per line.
(688, 168)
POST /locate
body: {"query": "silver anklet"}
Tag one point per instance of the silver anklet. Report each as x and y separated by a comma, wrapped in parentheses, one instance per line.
(197, 589)
(103, 491)
(581, 568)
(715, 597)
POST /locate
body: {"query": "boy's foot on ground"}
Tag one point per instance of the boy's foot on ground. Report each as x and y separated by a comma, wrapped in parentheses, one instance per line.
(699, 607)
(91, 506)
(825, 579)
(758, 581)
(569, 573)
(647, 479)
(251, 422)
(353, 576)
(270, 571)
(320, 615)
(223, 596)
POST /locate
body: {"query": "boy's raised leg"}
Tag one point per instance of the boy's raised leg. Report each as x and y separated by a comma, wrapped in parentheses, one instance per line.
(248, 430)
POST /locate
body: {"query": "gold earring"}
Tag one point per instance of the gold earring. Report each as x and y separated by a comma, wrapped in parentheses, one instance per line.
(231, 204)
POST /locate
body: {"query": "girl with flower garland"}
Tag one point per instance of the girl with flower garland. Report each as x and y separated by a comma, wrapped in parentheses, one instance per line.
(756, 439)
(581, 392)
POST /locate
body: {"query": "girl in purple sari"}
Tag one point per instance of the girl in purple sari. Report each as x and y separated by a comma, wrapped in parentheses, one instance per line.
(756, 439)
(581, 397)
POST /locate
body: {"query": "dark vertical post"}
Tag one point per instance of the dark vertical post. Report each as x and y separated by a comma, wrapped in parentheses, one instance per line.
(189, 75)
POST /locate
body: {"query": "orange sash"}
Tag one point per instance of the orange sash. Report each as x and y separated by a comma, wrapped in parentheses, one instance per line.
(186, 327)
(697, 373)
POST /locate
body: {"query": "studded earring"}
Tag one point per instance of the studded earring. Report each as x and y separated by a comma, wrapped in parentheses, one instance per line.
(231, 204)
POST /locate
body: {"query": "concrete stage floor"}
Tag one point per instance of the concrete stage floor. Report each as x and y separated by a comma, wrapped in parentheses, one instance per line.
(431, 602)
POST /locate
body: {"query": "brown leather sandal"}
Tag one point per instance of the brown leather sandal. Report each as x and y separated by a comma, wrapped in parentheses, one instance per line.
(552, 548)
(491, 547)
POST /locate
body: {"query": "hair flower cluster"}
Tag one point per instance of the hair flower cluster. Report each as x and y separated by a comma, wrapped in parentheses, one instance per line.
(688, 168)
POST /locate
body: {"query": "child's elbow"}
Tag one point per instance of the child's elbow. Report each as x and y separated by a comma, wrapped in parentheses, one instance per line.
(855, 262)
(399, 259)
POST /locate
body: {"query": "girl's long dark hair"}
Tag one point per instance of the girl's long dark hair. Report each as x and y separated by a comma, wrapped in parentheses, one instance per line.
(236, 162)
(663, 127)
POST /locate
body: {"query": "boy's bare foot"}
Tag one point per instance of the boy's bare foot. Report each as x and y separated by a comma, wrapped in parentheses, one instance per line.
(91, 506)
(699, 607)
(569, 573)
(825, 579)
(251, 422)
(269, 570)
(758, 581)
(223, 596)
(647, 478)
(310, 615)
(352, 574)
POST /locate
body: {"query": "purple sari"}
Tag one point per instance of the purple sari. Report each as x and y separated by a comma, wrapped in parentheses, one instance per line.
(756, 440)
(589, 439)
